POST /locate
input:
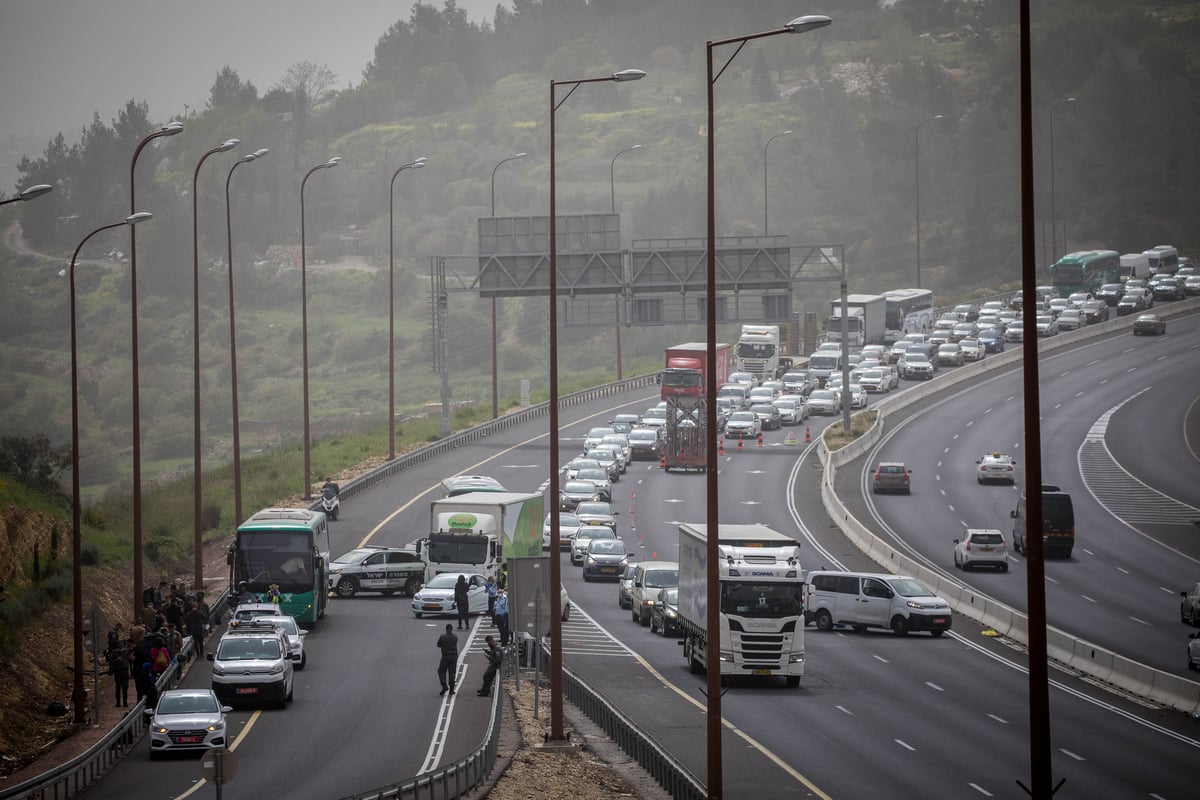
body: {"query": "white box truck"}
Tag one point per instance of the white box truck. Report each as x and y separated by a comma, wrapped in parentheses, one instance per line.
(761, 596)
(866, 320)
(474, 532)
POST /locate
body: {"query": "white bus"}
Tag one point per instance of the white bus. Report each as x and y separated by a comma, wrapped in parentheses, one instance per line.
(908, 311)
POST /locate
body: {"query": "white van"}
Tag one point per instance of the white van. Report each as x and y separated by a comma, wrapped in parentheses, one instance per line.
(1135, 265)
(873, 600)
(1163, 258)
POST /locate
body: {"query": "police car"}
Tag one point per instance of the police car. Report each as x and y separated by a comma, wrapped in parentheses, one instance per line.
(996, 467)
(376, 569)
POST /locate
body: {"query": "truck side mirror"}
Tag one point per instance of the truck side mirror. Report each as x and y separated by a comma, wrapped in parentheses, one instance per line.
(1013, 513)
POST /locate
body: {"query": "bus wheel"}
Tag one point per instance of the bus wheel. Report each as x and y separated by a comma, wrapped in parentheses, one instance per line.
(346, 587)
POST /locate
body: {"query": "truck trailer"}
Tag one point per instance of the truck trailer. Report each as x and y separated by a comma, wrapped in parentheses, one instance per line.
(684, 382)
(761, 595)
(475, 532)
(866, 320)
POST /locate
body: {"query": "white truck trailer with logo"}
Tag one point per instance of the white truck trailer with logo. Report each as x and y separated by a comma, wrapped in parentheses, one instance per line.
(475, 532)
(761, 596)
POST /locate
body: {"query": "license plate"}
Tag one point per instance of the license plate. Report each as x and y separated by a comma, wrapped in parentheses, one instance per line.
(939, 620)
(762, 672)
(985, 549)
(190, 739)
(432, 607)
(247, 690)
(608, 569)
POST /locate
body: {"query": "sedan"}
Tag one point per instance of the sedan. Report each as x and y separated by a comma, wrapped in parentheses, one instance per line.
(792, 410)
(992, 340)
(971, 349)
(654, 418)
(978, 547)
(186, 719)
(825, 401)
(575, 492)
(576, 464)
(1191, 284)
(568, 527)
(744, 425)
(1077, 299)
(437, 596)
(1149, 324)
(599, 477)
(1095, 311)
(605, 558)
(1015, 332)
(595, 513)
(1132, 303)
(588, 534)
(950, 354)
(961, 331)
(644, 443)
(1169, 288)
(1110, 293)
(768, 415)
(996, 467)
(1058, 305)
(1071, 319)
(664, 614)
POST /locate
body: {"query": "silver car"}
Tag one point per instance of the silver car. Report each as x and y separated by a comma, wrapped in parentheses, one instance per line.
(186, 719)
(568, 526)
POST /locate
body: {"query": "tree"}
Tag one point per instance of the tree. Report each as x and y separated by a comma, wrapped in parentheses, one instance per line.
(760, 80)
(230, 93)
(315, 80)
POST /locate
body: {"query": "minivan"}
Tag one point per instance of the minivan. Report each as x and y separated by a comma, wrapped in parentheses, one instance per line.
(873, 600)
(648, 578)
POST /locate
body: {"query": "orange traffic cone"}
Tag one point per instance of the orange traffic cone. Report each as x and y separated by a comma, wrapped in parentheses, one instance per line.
(721, 445)
(760, 444)
(807, 435)
(739, 443)
(662, 461)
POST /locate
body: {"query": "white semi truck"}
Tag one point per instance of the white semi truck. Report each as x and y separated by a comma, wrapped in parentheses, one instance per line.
(761, 596)
(758, 352)
(475, 532)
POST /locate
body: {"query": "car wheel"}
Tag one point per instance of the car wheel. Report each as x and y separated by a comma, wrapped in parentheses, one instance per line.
(899, 625)
(303, 661)
(417, 614)
(653, 627)
(644, 619)
(793, 681)
(634, 613)
(1004, 567)
(824, 620)
(412, 585)
(346, 587)
(936, 634)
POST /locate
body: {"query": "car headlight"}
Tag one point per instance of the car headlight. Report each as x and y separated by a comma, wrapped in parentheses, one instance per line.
(218, 727)
(159, 729)
(590, 561)
(277, 668)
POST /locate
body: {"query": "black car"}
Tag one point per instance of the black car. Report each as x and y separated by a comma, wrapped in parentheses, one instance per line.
(575, 492)
(645, 443)
(1110, 293)
(1169, 289)
(664, 614)
(1095, 311)
(1149, 324)
(1132, 303)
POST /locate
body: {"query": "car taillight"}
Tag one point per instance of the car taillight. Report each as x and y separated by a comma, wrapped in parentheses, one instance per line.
(878, 474)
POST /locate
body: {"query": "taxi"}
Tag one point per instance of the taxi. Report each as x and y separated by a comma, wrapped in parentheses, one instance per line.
(996, 467)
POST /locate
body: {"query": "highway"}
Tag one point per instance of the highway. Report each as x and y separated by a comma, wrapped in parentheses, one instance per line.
(921, 717)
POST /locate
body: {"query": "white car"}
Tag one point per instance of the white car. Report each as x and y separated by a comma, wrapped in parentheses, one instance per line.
(950, 353)
(437, 596)
(996, 467)
(971, 349)
(792, 410)
(743, 425)
(744, 378)
(980, 546)
(295, 636)
(568, 526)
(186, 719)
(825, 401)
(1047, 325)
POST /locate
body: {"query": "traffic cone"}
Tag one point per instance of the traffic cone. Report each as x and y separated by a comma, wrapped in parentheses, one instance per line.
(721, 445)
(807, 435)
(760, 444)
(739, 443)
(662, 461)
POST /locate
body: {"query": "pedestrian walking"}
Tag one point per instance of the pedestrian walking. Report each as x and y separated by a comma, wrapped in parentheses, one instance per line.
(448, 665)
(197, 622)
(495, 657)
(462, 602)
(118, 665)
(500, 615)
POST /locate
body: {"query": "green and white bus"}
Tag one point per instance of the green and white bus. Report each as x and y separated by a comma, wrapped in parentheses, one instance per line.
(287, 547)
(1085, 271)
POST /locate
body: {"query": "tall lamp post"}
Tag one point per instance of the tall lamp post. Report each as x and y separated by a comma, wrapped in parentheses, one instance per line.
(917, 184)
(612, 190)
(712, 655)
(495, 347)
(170, 129)
(30, 192)
(333, 162)
(235, 418)
(77, 695)
(414, 164)
(198, 526)
(556, 709)
(766, 230)
(1053, 221)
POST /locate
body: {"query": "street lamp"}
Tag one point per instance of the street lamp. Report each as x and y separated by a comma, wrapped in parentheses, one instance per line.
(765, 146)
(333, 162)
(917, 184)
(170, 129)
(198, 527)
(28, 193)
(414, 164)
(612, 188)
(556, 709)
(495, 347)
(1053, 221)
(234, 416)
(712, 621)
(77, 696)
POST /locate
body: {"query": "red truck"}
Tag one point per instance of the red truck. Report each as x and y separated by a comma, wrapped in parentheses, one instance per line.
(683, 389)
(683, 375)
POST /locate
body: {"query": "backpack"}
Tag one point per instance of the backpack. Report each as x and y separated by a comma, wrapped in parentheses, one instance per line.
(160, 659)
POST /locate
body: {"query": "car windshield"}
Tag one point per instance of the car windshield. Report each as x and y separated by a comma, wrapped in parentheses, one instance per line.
(288, 624)
(607, 547)
(593, 510)
(661, 578)
(444, 581)
(908, 587)
(642, 436)
(594, 532)
(353, 557)
(188, 704)
(770, 600)
(742, 416)
(248, 649)
(655, 413)
(579, 487)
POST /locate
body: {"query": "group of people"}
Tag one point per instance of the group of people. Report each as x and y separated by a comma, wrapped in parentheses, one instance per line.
(447, 643)
(150, 646)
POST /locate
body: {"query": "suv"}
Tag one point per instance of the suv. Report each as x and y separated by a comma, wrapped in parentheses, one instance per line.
(252, 663)
(891, 476)
(377, 569)
(981, 546)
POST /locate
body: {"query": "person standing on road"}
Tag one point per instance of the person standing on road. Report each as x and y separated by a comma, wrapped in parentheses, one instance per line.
(447, 666)
(500, 616)
(491, 593)
(495, 657)
(118, 665)
(462, 602)
(197, 622)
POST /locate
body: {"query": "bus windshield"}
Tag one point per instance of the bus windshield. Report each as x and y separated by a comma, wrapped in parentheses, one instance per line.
(281, 557)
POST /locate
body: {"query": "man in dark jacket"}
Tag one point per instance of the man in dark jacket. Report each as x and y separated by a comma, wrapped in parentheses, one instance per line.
(495, 657)
(462, 601)
(447, 666)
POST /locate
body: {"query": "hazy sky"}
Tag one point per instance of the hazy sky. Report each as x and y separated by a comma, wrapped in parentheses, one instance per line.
(60, 60)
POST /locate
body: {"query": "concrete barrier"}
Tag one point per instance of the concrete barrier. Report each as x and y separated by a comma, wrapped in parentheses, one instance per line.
(1160, 687)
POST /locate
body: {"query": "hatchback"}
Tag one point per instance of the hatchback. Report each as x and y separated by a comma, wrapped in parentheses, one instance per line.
(605, 558)
(891, 476)
(981, 546)
(664, 615)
